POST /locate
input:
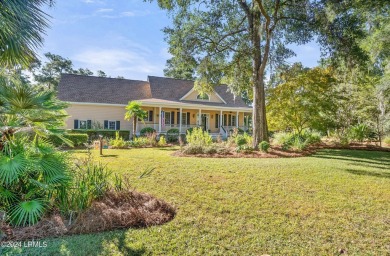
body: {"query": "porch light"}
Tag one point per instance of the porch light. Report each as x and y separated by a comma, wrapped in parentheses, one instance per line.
(212, 116)
(193, 115)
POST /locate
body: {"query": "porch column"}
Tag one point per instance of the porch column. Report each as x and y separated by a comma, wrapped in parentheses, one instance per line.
(180, 118)
(237, 119)
(200, 117)
(220, 120)
(159, 121)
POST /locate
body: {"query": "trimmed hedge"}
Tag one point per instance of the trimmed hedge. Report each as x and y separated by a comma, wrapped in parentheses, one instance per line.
(77, 139)
(173, 135)
(146, 130)
(94, 134)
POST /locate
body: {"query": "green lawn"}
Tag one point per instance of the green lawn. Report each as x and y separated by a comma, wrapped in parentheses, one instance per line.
(336, 199)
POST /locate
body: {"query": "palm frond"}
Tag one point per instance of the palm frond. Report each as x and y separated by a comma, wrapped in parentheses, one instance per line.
(27, 212)
(12, 167)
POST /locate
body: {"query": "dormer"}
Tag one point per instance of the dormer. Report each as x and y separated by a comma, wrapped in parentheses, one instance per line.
(193, 95)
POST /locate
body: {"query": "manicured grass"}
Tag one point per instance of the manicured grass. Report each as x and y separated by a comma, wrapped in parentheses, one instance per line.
(336, 199)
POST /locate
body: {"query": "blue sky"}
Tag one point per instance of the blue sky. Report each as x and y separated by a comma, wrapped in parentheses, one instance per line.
(121, 37)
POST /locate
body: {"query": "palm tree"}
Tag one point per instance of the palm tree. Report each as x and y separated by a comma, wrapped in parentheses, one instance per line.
(22, 25)
(134, 111)
(32, 172)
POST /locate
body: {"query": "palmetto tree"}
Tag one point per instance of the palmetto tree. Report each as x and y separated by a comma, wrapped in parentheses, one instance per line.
(22, 26)
(31, 170)
(134, 111)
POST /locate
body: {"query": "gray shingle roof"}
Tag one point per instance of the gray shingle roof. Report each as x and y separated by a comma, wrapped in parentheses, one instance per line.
(78, 88)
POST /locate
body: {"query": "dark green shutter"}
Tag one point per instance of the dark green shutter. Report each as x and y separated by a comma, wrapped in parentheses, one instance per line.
(89, 124)
(118, 125)
(225, 119)
(188, 118)
(178, 118)
(150, 115)
(105, 124)
(216, 121)
(172, 117)
(76, 124)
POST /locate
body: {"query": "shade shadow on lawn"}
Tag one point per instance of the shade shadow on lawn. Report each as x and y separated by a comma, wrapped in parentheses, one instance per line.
(362, 159)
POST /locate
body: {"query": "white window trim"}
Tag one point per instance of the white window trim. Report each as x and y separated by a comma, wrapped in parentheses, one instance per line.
(184, 118)
(208, 95)
(86, 124)
(165, 117)
(109, 124)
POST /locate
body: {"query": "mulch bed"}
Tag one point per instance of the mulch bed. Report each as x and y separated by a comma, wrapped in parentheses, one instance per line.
(278, 152)
(116, 210)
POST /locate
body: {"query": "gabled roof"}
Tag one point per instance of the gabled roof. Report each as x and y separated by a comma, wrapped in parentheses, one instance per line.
(91, 89)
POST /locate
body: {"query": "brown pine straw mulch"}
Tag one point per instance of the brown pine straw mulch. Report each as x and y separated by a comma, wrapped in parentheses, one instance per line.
(116, 210)
(278, 152)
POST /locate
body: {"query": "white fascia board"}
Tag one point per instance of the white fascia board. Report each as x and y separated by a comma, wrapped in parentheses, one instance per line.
(167, 105)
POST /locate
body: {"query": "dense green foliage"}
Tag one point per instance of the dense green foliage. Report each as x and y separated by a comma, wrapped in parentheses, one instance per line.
(32, 172)
(134, 112)
(264, 146)
(173, 135)
(94, 134)
(146, 130)
(77, 139)
(23, 24)
(296, 141)
(118, 142)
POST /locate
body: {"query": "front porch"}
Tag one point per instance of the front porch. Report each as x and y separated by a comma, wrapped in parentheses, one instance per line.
(216, 122)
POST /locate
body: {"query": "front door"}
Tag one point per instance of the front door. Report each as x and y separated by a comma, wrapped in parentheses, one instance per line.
(205, 122)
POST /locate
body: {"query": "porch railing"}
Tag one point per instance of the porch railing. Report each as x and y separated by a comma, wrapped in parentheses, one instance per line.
(164, 128)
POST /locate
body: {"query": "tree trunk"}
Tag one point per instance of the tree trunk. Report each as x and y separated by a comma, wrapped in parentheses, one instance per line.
(134, 126)
(259, 120)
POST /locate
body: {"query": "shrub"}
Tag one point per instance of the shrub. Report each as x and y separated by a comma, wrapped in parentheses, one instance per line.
(173, 135)
(282, 139)
(264, 146)
(146, 131)
(296, 141)
(148, 140)
(90, 182)
(311, 137)
(31, 175)
(76, 138)
(359, 132)
(162, 142)
(240, 140)
(199, 137)
(118, 142)
(191, 149)
(94, 134)
(299, 143)
(245, 148)
(387, 140)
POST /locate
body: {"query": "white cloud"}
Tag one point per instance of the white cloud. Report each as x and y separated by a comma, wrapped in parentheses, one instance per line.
(131, 63)
(104, 10)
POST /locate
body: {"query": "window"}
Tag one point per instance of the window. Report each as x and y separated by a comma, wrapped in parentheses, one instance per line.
(167, 117)
(112, 125)
(82, 124)
(184, 118)
(149, 116)
(233, 120)
(203, 96)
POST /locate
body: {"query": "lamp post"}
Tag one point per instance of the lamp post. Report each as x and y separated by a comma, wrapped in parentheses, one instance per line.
(101, 144)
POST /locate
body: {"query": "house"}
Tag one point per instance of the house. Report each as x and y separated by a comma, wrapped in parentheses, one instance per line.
(99, 103)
